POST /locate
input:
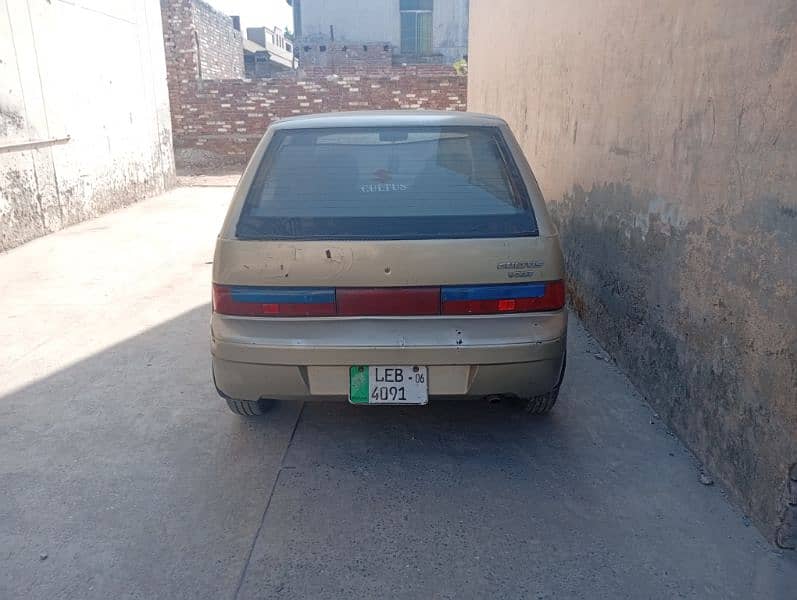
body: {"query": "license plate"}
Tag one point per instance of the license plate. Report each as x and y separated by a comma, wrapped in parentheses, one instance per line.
(388, 385)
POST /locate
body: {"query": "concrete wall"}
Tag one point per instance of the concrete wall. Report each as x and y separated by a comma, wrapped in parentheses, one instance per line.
(353, 20)
(221, 50)
(364, 20)
(450, 28)
(664, 136)
(343, 55)
(84, 112)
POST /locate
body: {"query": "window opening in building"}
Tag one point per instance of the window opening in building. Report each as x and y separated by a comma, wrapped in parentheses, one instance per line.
(416, 26)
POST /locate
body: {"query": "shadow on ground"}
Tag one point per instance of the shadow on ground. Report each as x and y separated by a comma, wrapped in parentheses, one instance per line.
(129, 475)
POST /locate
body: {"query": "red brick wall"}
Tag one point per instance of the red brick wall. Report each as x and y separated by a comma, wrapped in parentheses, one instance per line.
(228, 117)
(417, 70)
(221, 121)
(179, 45)
(221, 47)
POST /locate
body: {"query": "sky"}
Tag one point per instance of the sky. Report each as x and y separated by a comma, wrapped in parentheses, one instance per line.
(255, 13)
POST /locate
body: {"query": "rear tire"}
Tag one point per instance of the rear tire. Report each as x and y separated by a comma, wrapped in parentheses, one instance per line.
(248, 408)
(542, 405)
(245, 408)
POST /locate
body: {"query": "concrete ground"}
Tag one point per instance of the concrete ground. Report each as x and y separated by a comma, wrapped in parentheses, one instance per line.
(122, 475)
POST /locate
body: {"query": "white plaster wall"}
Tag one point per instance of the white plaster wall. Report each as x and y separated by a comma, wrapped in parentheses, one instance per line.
(93, 71)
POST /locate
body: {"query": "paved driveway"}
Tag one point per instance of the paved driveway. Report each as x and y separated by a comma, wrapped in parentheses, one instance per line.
(122, 475)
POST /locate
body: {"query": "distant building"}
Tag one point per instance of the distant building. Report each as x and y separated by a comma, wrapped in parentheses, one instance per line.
(279, 48)
(434, 31)
(256, 60)
(266, 51)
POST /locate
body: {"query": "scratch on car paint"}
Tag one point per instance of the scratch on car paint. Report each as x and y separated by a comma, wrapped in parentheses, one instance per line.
(337, 257)
(341, 259)
(274, 274)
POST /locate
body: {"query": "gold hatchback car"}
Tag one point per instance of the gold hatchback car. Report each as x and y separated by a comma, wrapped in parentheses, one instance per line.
(388, 257)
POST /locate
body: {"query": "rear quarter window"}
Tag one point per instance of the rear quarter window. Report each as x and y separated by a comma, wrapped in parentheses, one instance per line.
(387, 183)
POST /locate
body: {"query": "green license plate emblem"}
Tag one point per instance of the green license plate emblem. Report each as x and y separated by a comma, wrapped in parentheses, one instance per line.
(388, 385)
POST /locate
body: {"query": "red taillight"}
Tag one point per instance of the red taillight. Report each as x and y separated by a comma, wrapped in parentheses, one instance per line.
(388, 301)
(249, 301)
(465, 301)
(300, 310)
(507, 305)
(231, 300)
(221, 299)
(554, 295)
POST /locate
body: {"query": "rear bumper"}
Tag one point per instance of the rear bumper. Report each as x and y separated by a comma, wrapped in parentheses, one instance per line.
(466, 356)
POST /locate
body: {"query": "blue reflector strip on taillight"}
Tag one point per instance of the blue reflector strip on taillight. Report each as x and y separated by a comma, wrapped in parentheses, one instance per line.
(493, 292)
(280, 295)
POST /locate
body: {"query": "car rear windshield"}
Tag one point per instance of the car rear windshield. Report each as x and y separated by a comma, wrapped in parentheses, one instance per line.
(387, 183)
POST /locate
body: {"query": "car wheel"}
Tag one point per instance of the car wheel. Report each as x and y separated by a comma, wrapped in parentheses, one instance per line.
(541, 405)
(249, 408)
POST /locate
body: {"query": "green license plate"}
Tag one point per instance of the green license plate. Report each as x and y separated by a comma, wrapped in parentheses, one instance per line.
(388, 385)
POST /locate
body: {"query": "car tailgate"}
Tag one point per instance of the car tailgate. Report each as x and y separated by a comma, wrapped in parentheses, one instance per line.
(388, 263)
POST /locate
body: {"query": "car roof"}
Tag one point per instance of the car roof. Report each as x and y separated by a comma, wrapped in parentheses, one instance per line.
(388, 118)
